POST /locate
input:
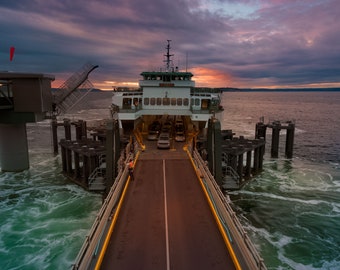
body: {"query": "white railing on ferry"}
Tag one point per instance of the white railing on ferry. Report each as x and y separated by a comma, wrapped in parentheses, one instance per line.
(228, 217)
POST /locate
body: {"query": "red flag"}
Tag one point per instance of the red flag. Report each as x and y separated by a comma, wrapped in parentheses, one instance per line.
(11, 53)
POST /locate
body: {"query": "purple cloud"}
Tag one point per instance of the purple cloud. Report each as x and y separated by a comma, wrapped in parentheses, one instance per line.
(279, 43)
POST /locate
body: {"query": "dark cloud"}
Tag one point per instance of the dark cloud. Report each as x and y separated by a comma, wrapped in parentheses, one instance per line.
(280, 42)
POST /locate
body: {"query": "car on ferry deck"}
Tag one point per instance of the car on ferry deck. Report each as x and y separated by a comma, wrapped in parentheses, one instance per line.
(179, 131)
(167, 127)
(180, 136)
(163, 141)
(154, 130)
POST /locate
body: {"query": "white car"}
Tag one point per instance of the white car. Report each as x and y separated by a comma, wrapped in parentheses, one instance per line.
(180, 136)
(163, 141)
(179, 132)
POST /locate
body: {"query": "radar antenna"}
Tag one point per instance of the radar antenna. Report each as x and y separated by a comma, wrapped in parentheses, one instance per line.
(168, 56)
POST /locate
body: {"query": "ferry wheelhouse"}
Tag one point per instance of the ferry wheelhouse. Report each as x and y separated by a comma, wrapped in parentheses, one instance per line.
(164, 94)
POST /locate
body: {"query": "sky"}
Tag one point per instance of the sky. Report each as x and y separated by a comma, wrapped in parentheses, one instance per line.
(224, 43)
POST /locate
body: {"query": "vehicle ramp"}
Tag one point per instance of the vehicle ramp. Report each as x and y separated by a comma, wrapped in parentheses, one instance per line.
(165, 221)
(171, 216)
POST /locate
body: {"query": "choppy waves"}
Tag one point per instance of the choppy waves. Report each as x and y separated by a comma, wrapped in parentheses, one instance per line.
(44, 218)
(292, 212)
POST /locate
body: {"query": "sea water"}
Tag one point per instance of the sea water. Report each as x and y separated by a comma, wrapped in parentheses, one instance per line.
(291, 210)
(44, 217)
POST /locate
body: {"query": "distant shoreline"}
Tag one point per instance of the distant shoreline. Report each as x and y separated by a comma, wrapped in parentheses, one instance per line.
(281, 90)
(266, 90)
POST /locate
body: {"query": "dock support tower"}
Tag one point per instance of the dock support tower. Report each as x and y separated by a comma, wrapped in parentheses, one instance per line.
(24, 98)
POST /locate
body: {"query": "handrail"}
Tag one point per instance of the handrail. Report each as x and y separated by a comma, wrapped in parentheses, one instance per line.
(139, 138)
(233, 227)
(97, 171)
(94, 175)
(92, 242)
(230, 171)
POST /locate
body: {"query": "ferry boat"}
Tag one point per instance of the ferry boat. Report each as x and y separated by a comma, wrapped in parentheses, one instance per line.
(163, 95)
(166, 101)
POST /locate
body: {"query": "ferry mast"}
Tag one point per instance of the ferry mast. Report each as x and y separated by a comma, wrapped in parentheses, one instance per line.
(168, 56)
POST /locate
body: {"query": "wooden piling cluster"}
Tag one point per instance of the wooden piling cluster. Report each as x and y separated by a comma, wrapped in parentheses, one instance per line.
(80, 129)
(80, 159)
(276, 127)
(242, 159)
(81, 156)
(232, 161)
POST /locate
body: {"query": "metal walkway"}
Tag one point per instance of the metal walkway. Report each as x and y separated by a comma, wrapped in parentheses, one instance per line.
(73, 90)
(169, 217)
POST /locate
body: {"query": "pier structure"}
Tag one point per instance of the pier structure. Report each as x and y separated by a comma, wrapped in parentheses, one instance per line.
(90, 161)
(24, 98)
(80, 159)
(171, 215)
(277, 126)
(28, 98)
(147, 221)
(232, 161)
(242, 159)
(80, 131)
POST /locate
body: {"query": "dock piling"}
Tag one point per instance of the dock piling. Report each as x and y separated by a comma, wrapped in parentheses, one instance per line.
(276, 128)
(67, 126)
(260, 130)
(54, 125)
(248, 165)
(214, 150)
(290, 140)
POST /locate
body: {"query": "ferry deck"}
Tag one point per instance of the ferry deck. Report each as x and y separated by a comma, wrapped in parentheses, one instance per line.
(165, 221)
(167, 217)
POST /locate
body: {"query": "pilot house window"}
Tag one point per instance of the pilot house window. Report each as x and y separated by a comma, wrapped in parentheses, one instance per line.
(127, 103)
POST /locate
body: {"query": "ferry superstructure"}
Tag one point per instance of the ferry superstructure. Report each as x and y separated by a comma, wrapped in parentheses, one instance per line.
(167, 92)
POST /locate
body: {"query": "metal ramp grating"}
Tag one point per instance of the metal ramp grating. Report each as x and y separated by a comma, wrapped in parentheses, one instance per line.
(75, 97)
(74, 89)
